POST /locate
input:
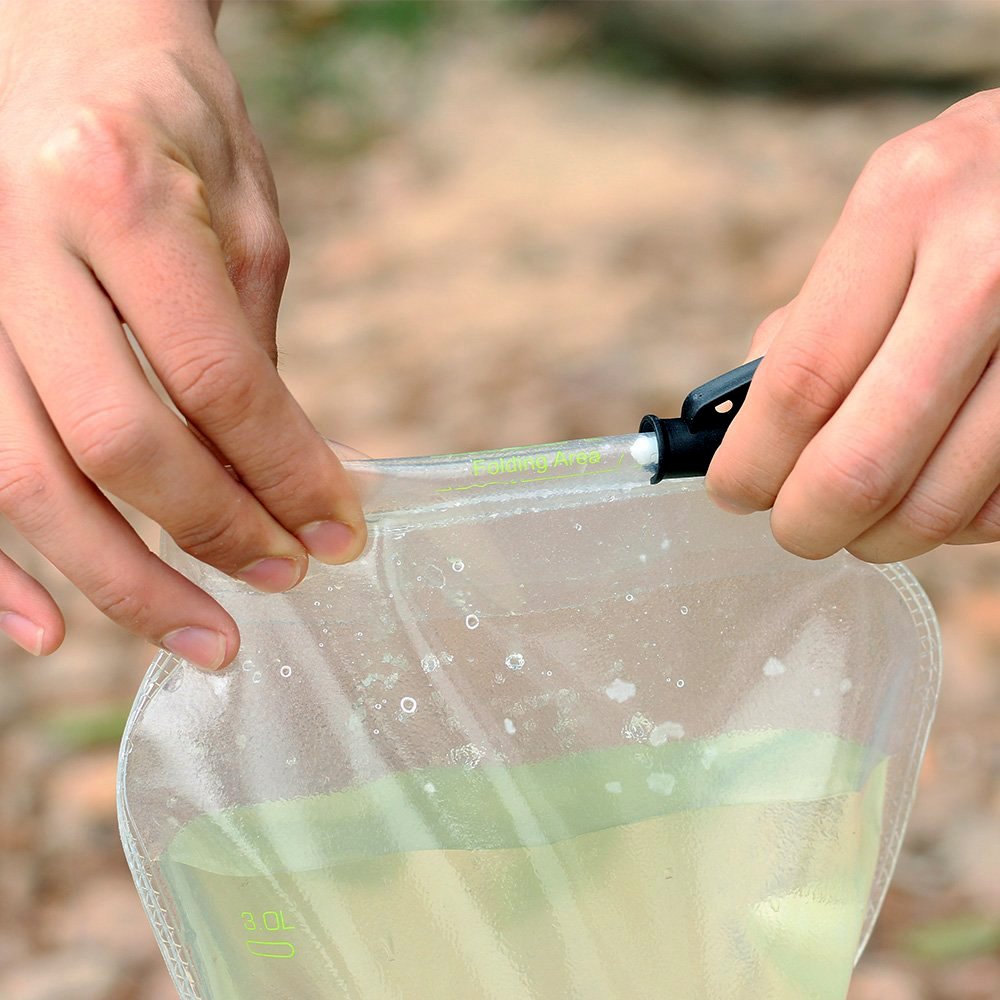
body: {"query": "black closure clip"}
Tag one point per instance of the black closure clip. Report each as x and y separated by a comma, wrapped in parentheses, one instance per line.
(687, 443)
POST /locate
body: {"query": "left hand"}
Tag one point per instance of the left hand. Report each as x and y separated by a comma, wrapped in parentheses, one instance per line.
(873, 422)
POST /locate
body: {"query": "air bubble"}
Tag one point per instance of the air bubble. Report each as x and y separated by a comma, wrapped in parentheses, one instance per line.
(457, 565)
(316, 604)
(378, 705)
(408, 705)
(292, 761)
(248, 665)
(629, 597)
(680, 682)
(375, 732)
(286, 670)
(515, 661)
(472, 621)
(548, 673)
(578, 527)
(257, 677)
(684, 609)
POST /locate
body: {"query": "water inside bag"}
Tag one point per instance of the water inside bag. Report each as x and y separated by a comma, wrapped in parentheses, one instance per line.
(558, 734)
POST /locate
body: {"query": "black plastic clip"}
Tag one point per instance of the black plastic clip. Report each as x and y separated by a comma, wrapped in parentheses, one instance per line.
(687, 443)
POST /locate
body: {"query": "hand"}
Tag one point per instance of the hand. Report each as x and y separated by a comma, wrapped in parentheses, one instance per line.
(133, 187)
(873, 422)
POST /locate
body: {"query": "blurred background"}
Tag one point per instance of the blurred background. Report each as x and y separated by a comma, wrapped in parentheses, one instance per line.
(514, 222)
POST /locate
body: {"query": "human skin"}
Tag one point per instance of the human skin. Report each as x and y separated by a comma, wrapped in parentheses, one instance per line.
(873, 421)
(132, 187)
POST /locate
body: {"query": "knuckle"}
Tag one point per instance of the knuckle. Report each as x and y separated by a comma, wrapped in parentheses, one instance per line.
(917, 160)
(125, 606)
(94, 153)
(213, 542)
(210, 382)
(259, 257)
(806, 383)
(856, 481)
(985, 526)
(109, 441)
(23, 482)
(930, 517)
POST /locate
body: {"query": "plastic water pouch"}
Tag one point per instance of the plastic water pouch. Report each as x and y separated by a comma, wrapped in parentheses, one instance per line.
(558, 733)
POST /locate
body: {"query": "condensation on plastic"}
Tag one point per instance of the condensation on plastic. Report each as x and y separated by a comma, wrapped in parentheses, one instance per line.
(513, 608)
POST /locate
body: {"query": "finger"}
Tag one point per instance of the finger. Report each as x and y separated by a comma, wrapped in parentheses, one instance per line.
(765, 333)
(28, 615)
(122, 436)
(953, 489)
(829, 335)
(863, 462)
(984, 527)
(62, 514)
(184, 311)
(256, 255)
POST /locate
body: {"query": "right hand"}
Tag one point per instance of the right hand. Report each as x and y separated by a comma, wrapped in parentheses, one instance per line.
(133, 187)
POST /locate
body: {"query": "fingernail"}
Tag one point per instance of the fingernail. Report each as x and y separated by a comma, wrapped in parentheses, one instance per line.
(274, 575)
(203, 647)
(329, 541)
(23, 631)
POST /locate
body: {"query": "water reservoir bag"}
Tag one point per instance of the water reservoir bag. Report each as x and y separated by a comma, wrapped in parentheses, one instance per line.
(558, 734)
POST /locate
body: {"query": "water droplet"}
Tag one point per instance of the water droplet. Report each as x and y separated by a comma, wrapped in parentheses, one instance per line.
(661, 782)
(614, 787)
(292, 761)
(817, 693)
(666, 731)
(665, 544)
(468, 755)
(845, 685)
(508, 724)
(629, 597)
(257, 677)
(286, 670)
(429, 788)
(637, 728)
(774, 667)
(684, 609)
(472, 621)
(515, 661)
(643, 558)
(408, 705)
(620, 691)
(430, 663)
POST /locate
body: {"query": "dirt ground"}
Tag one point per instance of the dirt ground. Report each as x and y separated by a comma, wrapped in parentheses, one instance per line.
(513, 246)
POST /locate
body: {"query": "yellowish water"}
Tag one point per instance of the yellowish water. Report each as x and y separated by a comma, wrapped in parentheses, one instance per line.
(453, 885)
